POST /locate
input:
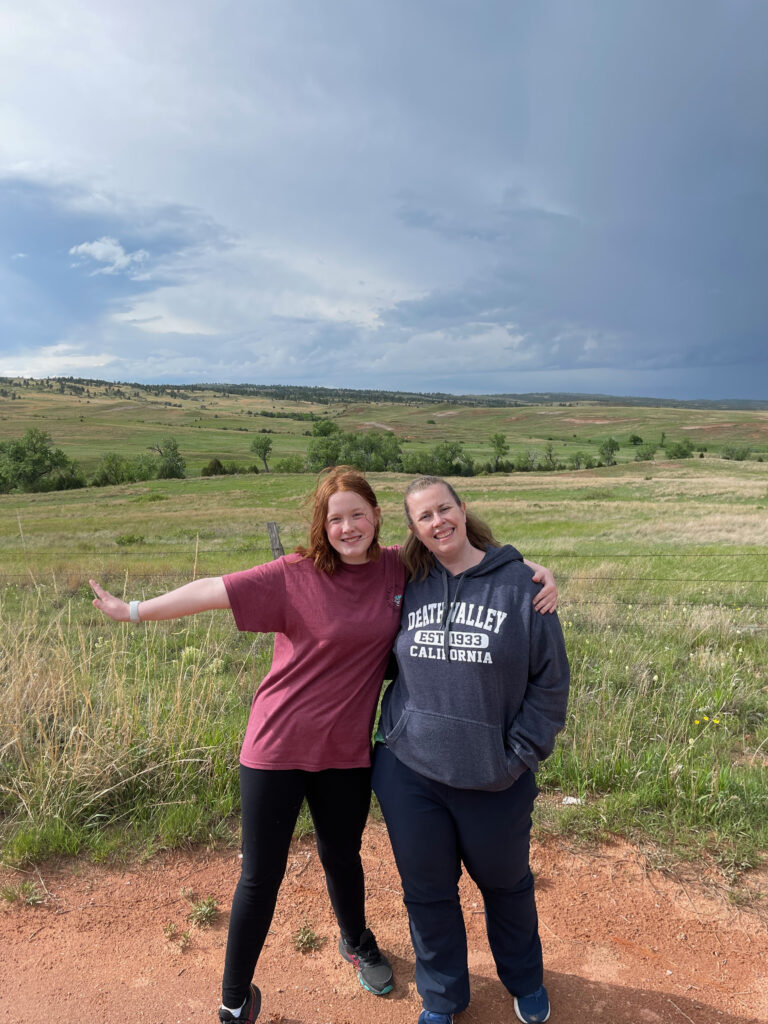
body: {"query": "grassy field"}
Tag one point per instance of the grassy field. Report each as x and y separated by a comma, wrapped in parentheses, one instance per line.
(114, 738)
(208, 424)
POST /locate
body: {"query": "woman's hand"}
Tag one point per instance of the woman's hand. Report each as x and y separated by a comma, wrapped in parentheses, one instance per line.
(546, 599)
(112, 606)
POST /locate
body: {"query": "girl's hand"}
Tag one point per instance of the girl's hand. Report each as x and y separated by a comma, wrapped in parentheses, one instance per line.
(546, 599)
(112, 606)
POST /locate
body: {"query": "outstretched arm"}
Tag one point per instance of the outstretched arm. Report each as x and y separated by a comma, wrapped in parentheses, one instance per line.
(198, 596)
(546, 599)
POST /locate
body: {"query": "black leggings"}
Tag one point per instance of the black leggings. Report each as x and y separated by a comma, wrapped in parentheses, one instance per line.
(339, 800)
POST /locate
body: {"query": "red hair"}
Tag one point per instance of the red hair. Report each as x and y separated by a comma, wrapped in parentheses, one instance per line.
(318, 547)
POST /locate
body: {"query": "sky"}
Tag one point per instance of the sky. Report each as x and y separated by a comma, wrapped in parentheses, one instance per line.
(470, 196)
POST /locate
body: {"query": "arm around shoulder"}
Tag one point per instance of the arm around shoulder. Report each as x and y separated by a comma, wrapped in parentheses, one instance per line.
(546, 599)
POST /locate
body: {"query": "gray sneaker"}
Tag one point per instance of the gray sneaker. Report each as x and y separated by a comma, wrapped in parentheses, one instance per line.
(374, 971)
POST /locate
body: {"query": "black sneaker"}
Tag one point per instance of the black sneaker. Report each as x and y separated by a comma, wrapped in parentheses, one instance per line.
(249, 1012)
(374, 971)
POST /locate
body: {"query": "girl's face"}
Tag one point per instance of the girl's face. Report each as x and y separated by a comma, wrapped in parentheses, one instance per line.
(438, 522)
(350, 525)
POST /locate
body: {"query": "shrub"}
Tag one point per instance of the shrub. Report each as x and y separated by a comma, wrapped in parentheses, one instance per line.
(290, 464)
(33, 464)
(736, 452)
(645, 452)
(679, 449)
(214, 468)
(172, 465)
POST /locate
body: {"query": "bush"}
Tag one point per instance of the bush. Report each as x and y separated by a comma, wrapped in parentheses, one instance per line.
(679, 449)
(117, 469)
(736, 452)
(577, 460)
(33, 464)
(67, 479)
(447, 458)
(645, 452)
(214, 468)
(527, 462)
(172, 465)
(290, 464)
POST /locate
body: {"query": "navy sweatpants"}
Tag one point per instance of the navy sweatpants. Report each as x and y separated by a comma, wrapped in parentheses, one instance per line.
(433, 829)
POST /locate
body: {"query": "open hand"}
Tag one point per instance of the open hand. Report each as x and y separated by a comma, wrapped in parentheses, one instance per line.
(112, 606)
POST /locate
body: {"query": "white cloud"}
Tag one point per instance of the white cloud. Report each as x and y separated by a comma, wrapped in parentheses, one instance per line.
(467, 350)
(52, 361)
(108, 251)
(150, 316)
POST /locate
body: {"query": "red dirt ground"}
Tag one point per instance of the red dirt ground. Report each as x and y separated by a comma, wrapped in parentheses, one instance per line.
(622, 945)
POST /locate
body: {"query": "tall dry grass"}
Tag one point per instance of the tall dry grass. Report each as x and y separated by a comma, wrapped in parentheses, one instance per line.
(107, 726)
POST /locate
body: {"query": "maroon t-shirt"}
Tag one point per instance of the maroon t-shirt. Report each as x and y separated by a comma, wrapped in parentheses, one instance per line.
(333, 634)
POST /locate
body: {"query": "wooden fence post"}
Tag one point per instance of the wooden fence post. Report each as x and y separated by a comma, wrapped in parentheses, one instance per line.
(274, 540)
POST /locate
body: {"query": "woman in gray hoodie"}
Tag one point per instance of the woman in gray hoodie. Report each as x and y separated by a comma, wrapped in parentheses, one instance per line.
(480, 695)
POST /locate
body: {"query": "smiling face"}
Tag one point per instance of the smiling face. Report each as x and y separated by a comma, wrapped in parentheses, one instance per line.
(350, 525)
(439, 522)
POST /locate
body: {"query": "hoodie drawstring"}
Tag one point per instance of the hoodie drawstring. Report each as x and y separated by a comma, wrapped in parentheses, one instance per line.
(445, 625)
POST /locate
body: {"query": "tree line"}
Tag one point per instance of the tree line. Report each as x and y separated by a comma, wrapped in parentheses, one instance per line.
(33, 463)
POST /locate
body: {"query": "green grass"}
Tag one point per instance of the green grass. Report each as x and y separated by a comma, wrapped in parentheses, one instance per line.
(116, 739)
(207, 424)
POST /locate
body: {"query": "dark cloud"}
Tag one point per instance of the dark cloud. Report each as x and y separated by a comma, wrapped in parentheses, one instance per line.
(575, 192)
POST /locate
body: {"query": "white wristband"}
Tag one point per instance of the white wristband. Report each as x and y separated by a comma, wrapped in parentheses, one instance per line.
(133, 611)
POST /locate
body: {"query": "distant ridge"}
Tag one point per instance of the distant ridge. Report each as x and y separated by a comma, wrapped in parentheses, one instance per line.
(327, 396)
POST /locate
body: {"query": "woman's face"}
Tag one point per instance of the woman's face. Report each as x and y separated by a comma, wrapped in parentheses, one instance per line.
(438, 522)
(350, 525)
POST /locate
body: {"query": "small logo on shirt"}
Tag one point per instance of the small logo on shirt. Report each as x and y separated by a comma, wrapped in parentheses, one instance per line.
(398, 600)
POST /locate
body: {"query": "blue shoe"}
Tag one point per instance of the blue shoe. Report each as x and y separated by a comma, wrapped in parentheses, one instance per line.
(533, 1009)
(429, 1017)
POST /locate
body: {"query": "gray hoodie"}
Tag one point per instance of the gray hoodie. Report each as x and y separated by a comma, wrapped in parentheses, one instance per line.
(482, 683)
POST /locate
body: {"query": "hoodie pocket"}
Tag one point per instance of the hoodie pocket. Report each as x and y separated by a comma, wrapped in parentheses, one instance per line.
(456, 751)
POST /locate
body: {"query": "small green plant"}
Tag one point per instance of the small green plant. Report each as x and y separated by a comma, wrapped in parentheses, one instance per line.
(172, 933)
(24, 892)
(305, 940)
(125, 539)
(203, 912)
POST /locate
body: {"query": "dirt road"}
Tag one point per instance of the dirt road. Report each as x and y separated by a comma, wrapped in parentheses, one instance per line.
(622, 945)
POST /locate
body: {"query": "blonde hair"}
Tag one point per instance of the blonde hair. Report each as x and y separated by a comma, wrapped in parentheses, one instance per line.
(417, 558)
(318, 547)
